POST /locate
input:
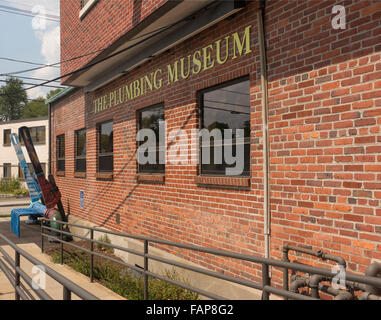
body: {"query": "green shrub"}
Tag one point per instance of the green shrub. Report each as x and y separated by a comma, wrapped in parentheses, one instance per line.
(13, 186)
(9, 185)
(125, 283)
(21, 192)
(102, 247)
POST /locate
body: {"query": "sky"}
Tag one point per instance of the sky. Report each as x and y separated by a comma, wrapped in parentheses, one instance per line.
(30, 39)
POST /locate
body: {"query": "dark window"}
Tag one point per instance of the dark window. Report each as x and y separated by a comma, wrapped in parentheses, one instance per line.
(84, 2)
(80, 150)
(149, 118)
(226, 106)
(7, 137)
(37, 134)
(60, 152)
(21, 173)
(7, 170)
(105, 147)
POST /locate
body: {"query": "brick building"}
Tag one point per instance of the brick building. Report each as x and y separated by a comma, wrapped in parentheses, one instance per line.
(316, 182)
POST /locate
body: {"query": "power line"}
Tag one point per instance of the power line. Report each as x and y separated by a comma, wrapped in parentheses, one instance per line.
(75, 58)
(29, 12)
(28, 6)
(158, 31)
(26, 15)
(161, 30)
(33, 84)
(30, 78)
(112, 55)
(27, 62)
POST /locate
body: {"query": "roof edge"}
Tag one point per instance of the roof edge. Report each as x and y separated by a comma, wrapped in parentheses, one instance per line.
(24, 120)
(59, 95)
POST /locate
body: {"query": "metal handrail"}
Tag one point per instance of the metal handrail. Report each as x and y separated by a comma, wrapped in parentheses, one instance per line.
(265, 263)
(68, 286)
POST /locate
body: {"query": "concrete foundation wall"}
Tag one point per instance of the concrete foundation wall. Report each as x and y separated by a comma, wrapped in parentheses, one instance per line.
(216, 286)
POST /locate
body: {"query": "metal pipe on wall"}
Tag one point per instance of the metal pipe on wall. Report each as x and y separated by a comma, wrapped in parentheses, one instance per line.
(338, 293)
(50, 139)
(265, 106)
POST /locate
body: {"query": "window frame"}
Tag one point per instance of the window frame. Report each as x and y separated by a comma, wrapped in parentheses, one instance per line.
(40, 142)
(85, 8)
(7, 166)
(34, 137)
(106, 154)
(20, 173)
(58, 157)
(200, 108)
(139, 127)
(76, 157)
(8, 131)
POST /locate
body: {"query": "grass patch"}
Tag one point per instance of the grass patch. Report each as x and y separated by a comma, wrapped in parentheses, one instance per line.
(5, 215)
(102, 247)
(128, 284)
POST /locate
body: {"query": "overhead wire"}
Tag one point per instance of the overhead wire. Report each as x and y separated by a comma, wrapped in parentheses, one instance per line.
(151, 35)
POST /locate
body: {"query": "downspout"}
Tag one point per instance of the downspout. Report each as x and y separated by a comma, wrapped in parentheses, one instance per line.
(50, 140)
(265, 107)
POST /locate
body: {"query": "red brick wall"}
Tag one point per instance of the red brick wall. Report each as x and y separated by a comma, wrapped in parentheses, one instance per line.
(178, 210)
(324, 121)
(325, 117)
(102, 26)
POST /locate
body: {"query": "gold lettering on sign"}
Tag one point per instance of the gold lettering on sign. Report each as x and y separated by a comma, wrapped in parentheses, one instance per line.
(208, 61)
(245, 42)
(182, 68)
(173, 75)
(157, 82)
(218, 53)
(218, 50)
(197, 62)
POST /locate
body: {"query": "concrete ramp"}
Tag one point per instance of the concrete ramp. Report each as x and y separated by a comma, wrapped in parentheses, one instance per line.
(52, 287)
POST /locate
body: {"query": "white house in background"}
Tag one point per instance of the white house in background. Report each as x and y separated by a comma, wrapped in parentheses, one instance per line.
(39, 130)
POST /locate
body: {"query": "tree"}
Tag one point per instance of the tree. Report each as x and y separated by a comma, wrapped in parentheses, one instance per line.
(13, 99)
(52, 93)
(35, 109)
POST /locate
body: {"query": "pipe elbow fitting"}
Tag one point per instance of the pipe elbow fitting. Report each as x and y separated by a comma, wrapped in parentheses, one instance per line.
(296, 283)
(315, 280)
(373, 270)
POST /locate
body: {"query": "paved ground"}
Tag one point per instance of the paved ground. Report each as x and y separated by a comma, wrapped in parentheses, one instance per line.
(6, 205)
(30, 242)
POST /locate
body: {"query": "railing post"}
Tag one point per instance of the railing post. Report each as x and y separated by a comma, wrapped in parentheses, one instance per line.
(66, 294)
(92, 255)
(42, 236)
(265, 281)
(145, 270)
(285, 270)
(62, 246)
(17, 275)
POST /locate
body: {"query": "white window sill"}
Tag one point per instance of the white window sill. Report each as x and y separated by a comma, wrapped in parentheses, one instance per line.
(87, 8)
